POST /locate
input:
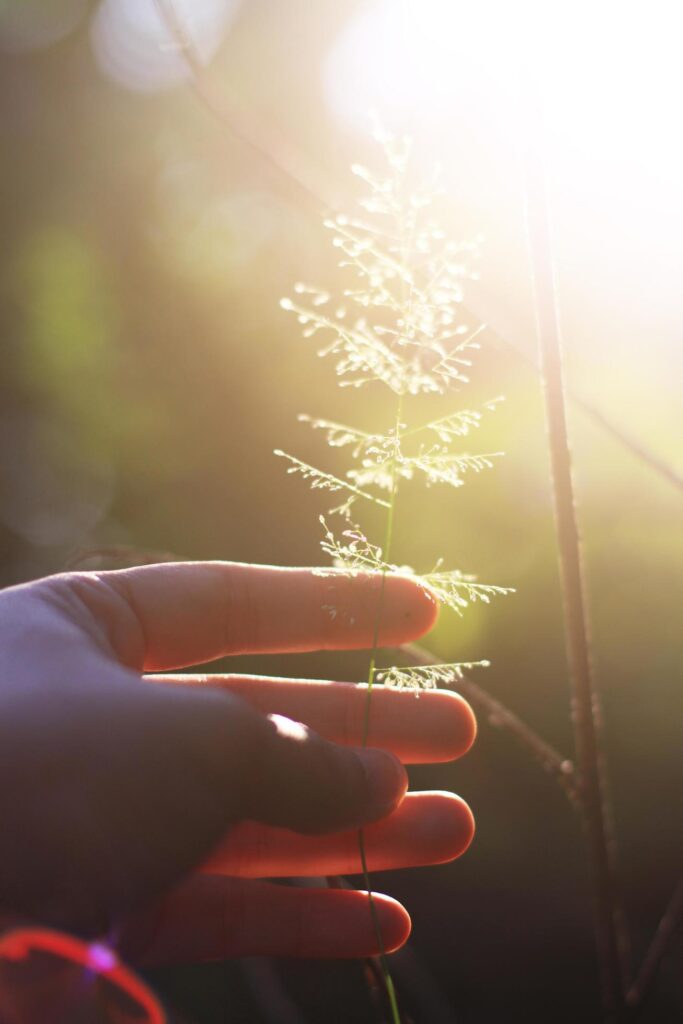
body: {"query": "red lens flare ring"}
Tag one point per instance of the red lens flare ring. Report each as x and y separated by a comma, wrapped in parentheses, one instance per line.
(94, 956)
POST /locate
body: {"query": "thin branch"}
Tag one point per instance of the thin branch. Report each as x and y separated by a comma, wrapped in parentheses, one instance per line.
(500, 717)
(632, 444)
(255, 133)
(611, 935)
(326, 481)
(670, 922)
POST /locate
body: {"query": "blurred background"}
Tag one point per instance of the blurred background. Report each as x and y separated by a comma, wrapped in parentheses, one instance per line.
(152, 220)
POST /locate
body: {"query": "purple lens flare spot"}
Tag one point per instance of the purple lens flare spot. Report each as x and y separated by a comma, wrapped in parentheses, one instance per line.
(100, 958)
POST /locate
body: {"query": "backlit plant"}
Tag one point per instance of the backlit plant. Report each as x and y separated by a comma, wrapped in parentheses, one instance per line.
(399, 325)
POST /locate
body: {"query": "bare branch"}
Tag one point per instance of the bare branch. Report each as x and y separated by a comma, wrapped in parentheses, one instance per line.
(670, 922)
(500, 717)
(276, 151)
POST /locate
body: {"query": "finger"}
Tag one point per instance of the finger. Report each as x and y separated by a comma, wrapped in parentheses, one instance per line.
(428, 828)
(173, 615)
(435, 725)
(213, 918)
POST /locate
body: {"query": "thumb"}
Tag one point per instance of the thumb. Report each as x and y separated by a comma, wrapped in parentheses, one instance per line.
(270, 768)
(116, 790)
(222, 761)
(309, 784)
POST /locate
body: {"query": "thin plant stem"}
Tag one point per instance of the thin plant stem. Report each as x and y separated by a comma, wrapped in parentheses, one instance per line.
(386, 551)
(611, 935)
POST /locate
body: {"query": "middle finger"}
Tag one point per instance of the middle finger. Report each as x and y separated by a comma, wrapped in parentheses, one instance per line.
(436, 725)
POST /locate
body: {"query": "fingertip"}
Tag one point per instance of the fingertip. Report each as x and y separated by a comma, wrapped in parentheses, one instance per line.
(455, 725)
(451, 827)
(394, 924)
(471, 729)
(411, 610)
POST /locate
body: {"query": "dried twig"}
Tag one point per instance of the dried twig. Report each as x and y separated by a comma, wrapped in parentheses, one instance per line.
(670, 922)
(611, 933)
(632, 444)
(499, 716)
(275, 150)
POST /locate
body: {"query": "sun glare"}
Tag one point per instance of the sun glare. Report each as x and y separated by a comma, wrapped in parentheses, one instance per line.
(134, 47)
(608, 76)
(458, 76)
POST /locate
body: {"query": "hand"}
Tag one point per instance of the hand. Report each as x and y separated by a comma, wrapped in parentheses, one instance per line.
(116, 785)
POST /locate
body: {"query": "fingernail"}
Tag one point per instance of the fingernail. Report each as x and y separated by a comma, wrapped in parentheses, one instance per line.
(386, 778)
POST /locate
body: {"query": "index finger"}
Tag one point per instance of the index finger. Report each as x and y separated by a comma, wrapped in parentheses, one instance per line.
(177, 614)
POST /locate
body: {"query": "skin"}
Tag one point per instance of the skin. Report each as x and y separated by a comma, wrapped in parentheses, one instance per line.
(147, 807)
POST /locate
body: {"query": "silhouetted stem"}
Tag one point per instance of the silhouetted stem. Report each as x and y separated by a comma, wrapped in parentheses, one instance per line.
(499, 716)
(611, 935)
(671, 920)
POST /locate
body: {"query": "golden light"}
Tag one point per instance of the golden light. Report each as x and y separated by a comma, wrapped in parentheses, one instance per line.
(458, 75)
(608, 76)
(134, 46)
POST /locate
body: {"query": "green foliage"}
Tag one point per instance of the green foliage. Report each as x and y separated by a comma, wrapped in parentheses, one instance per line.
(399, 323)
(69, 319)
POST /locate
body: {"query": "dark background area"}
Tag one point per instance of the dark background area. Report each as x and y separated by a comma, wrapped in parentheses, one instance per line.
(148, 372)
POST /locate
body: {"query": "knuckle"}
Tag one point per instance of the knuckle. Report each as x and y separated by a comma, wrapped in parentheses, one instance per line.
(241, 618)
(353, 707)
(103, 605)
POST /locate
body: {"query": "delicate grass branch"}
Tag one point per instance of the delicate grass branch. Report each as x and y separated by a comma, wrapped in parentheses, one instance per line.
(457, 590)
(425, 677)
(326, 481)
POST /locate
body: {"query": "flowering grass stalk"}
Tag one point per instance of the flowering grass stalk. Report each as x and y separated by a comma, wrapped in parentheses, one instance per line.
(399, 325)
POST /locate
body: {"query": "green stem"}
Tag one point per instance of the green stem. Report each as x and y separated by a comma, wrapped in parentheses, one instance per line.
(386, 551)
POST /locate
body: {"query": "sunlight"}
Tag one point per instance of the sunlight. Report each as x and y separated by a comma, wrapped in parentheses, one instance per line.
(135, 49)
(609, 78)
(458, 75)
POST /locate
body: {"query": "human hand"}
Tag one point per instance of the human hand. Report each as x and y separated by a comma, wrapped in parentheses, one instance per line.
(118, 785)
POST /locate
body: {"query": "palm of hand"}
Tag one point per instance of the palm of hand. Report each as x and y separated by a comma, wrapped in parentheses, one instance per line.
(152, 804)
